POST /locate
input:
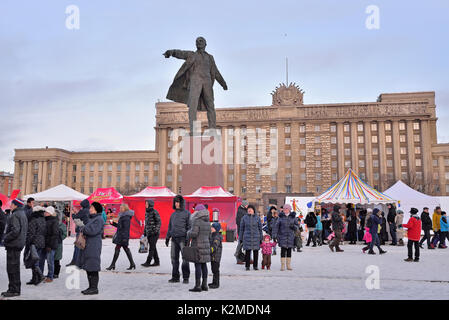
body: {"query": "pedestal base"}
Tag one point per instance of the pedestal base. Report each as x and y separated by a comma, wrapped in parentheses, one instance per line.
(202, 162)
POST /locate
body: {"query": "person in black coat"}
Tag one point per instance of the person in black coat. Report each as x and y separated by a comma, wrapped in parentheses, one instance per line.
(352, 227)
(151, 231)
(121, 236)
(383, 230)
(241, 212)
(311, 222)
(37, 230)
(14, 241)
(426, 226)
(83, 216)
(391, 217)
(28, 208)
(51, 243)
(178, 226)
(90, 257)
(2, 223)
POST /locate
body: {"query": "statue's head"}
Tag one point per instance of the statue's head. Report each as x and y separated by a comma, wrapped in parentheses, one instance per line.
(201, 43)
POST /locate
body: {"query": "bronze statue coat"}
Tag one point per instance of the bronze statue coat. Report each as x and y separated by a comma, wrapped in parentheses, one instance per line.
(179, 89)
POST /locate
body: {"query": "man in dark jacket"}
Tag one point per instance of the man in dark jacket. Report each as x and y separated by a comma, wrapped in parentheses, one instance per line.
(337, 227)
(14, 240)
(426, 226)
(2, 223)
(178, 226)
(241, 212)
(51, 243)
(37, 229)
(151, 231)
(311, 222)
(373, 224)
(83, 216)
(391, 224)
(28, 209)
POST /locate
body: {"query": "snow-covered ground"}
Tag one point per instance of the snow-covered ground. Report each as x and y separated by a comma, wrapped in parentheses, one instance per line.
(317, 274)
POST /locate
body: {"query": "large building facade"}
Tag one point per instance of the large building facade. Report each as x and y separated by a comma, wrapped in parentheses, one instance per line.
(287, 147)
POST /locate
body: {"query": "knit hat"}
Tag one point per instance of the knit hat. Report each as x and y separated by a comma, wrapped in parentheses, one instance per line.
(245, 203)
(97, 206)
(51, 211)
(375, 211)
(400, 211)
(267, 237)
(200, 207)
(17, 202)
(287, 206)
(216, 226)
(369, 210)
(413, 211)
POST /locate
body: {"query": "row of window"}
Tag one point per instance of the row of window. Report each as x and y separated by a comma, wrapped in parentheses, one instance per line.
(360, 127)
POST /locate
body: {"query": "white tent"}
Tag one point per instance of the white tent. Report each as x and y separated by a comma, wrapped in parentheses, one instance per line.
(410, 198)
(58, 193)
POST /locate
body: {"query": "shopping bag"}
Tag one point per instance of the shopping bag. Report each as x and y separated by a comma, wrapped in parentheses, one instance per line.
(191, 254)
(80, 241)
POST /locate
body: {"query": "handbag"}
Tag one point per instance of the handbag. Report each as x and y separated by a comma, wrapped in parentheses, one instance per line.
(80, 241)
(30, 257)
(191, 254)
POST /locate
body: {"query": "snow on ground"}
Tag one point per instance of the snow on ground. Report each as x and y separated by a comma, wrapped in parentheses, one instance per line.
(317, 274)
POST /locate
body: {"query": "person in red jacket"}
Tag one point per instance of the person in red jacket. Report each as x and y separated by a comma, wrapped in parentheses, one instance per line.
(413, 234)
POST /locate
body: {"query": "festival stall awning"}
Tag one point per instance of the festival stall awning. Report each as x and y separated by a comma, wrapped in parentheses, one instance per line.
(150, 192)
(58, 193)
(208, 193)
(351, 189)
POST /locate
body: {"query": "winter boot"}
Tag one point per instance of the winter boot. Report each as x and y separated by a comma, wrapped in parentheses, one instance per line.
(382, 251)
(268, 267)
(93, 287)
(339, 250)
(89, 279)
(215, 282)
(371, 251)
(283, 260)
(197, 287)
(130, 258)
(114, 260)
(331, 247)
(408, 260)
(204, 286)
(401, 243)
(147, 263)
(33, 278)
(289, 263)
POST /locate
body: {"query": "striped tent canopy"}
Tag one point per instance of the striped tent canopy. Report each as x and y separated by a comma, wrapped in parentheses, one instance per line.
(351, 189)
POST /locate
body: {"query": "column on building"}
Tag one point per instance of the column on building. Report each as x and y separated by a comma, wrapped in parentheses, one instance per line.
(114, 175)
(442, 175)
(70, 172)
(44, 175)
(16, 175)
(30, 177)
(237, 161)
(294, 137)
(132, 175)
(87, 178)
(426, 155)
(396, 151)
(64, 172)
(96, 175)
(281, 158)
(382, 157)
(151, 175)
(24, 178)
(77, 184)
(368, 153)
(224, 158)
(163, 140)
(340, 150)
(354, 149)
(410, 151)
(105, 174)
(39, 176)
(142, 174)
(123, 175)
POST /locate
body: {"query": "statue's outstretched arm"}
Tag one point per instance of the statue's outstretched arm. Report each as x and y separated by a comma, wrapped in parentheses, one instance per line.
(179, 54)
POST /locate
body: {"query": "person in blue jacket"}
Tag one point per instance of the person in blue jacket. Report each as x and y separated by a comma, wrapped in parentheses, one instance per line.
(373, 224)
(444, 228)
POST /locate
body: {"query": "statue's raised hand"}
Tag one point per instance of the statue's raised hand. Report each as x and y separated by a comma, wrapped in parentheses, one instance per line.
(167, 53)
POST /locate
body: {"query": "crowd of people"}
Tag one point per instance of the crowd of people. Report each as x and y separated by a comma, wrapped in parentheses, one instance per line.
(39, 230)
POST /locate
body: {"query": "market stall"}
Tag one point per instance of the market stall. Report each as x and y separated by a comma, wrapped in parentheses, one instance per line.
(216, 197)
(163, 203)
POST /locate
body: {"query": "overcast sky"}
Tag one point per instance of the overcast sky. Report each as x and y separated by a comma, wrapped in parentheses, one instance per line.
(95, 88)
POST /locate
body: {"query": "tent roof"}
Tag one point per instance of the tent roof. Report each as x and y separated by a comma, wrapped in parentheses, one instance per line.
(405, 194)
(58, 193)
(149, 192)
(211, 192)
(351, 189)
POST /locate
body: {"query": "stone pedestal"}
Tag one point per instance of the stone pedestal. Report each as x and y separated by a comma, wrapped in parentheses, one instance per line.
(201, 162)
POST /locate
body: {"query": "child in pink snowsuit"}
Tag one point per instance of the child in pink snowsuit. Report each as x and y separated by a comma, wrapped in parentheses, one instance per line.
(267, 249)
(368, 238)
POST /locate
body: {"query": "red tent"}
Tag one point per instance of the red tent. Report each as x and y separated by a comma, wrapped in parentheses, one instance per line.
(216, 197)
(6, 202)
(163, 203)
